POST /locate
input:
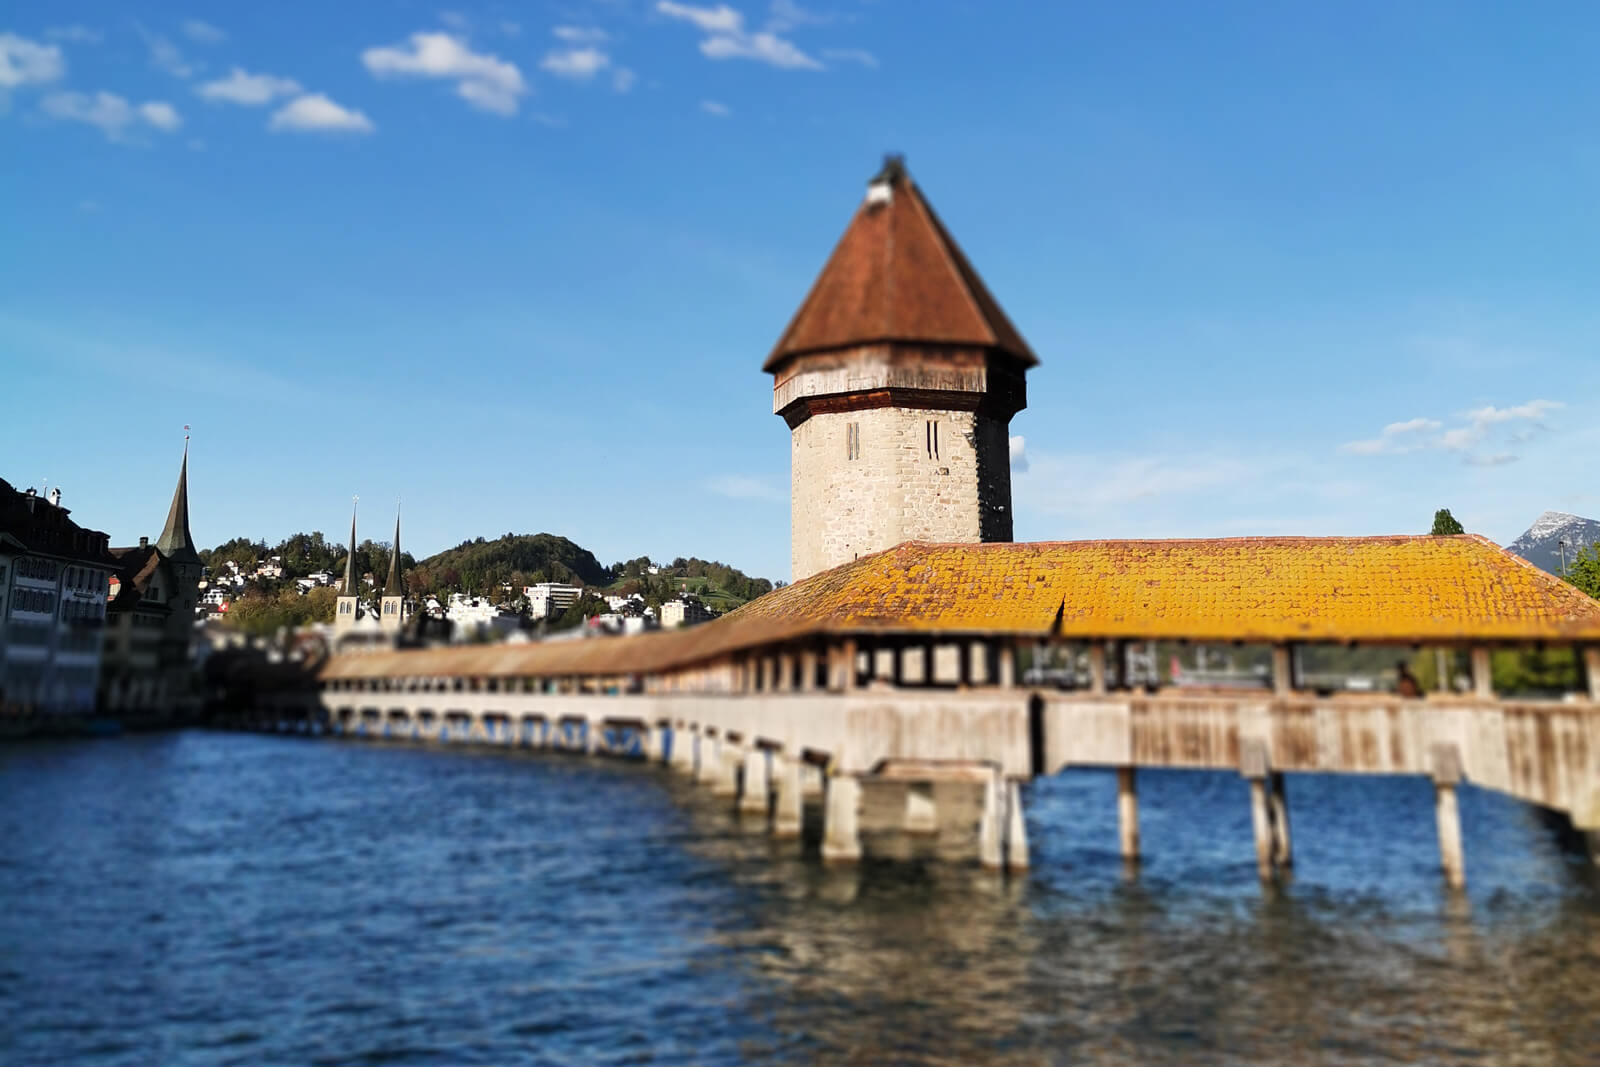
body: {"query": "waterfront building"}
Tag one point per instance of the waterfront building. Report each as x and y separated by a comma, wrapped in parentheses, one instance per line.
(54, 575)
(547, 600)
(684, 610)
(151, 617)
(898, 378)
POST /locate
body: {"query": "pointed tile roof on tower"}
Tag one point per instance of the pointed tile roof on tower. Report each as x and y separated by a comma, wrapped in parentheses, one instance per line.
(898, 275)
(394, 585)
(352, 580)
(175, 541)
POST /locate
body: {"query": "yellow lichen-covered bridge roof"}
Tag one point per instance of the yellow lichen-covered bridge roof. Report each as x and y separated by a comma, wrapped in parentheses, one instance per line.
(1398, 590)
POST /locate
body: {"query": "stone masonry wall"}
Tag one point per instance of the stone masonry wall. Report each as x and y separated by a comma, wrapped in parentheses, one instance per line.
(894, 490)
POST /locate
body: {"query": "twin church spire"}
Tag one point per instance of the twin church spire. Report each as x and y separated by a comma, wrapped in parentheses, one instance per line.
(391, 611)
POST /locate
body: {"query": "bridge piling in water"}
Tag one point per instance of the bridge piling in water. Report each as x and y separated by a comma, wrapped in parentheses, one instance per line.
(1128, 813)
(788, 807)
(755, 788)
(841, 827)
(1447, 812)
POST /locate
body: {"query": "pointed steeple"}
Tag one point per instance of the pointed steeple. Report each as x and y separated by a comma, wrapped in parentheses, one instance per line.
(351, 578)
(392, 586)
(897, 276)
(175, 542)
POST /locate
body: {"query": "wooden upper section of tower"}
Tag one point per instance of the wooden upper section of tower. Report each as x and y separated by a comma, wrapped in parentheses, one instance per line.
(898, 277)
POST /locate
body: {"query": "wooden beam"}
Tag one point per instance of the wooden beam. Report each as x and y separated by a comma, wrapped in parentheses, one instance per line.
(1482, 673)
(1283, 669)
(1591, 669)
(1097, 667)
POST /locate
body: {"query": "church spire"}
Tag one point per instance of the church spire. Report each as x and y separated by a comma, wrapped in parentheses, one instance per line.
(351, 578)
(393, 586)
(176, 542)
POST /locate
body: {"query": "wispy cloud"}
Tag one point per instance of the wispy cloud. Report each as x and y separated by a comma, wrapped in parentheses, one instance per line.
(24, 62)
(1423, 434)
(850, 55)
(622, 79)
(484, 81)
(251, 90)
(581, 34)
(164, 55)
(203, 32)
(743, 487)
(315, 113)
(728, 38)
(713, 107)
(111, 114)
(75, 34)
(1019, 454)
(576, 64)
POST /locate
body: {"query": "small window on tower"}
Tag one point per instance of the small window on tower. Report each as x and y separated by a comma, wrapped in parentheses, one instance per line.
(933, 439)
(852, 440)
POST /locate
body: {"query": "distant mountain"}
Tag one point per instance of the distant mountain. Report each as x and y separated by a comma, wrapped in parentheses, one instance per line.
(1540, 545)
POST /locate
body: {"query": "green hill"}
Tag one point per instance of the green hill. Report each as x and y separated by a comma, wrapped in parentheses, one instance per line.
(520, 559)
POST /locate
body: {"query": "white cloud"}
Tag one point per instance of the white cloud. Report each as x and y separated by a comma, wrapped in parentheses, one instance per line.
(75, 34)
(314, 112)
(729, 39)
(203, 32)
(742, 487)
(712, 107)
(110, 113)
(252, 90)
(455, 20)
(1533, 409)
(719, 19)
(160, 114)
(25, 62)
(1420, 434)
(622, 79)
(487, 82)
(786, 14)
(1019, 454)
(511, 29)
(579, 64)
(581, 34)
(850, 55)
(1411, 426)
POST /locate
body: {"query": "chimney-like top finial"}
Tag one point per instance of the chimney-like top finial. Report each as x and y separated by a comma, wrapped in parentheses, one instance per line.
(893, 170)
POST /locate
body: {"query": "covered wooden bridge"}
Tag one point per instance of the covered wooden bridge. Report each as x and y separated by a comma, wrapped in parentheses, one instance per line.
(896, 678)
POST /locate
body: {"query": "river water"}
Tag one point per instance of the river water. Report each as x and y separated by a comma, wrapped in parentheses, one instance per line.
(210, 898)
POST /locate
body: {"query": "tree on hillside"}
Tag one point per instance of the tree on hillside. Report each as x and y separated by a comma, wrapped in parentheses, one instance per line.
(1445, 524)
(1585, 570)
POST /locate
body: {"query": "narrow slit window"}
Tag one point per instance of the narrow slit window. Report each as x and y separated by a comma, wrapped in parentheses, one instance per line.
(852, 440)
(932, 434)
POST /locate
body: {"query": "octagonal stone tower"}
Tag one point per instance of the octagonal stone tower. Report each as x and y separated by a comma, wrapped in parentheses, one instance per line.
(898, 378)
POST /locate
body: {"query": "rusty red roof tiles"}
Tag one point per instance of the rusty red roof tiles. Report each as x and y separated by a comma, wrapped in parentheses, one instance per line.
(898, 275)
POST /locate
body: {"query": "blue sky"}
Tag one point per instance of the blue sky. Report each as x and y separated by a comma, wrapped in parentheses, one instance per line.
(1287, 270)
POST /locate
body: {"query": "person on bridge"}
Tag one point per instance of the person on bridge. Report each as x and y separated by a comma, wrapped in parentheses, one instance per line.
(1405, 683)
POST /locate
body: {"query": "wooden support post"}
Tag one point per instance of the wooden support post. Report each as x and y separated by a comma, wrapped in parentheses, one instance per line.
(787, 811)
(808, 670)
(755, 790)
(1283, 670)
(841, 832)
(1097, 667)
(1016, 829)
(1482, 674)
(1282, 847)
(1006, 664)
(898, 674)
(1591, 670)
(1128, 812)
(1253, 765)
(964, 663)
(1446, 775)
(730, 761)
(991, 825)
(708, 758)
(1441, 667)
(851, 678)
(930, 663)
